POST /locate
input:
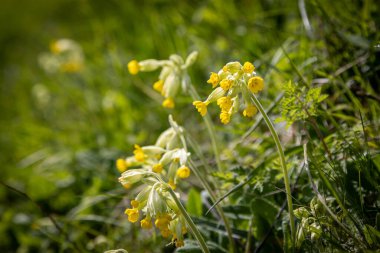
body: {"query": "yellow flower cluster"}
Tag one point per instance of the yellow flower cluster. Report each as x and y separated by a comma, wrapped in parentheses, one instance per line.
(171, 78)
(231, 84)
(165, 161)
(158, 208)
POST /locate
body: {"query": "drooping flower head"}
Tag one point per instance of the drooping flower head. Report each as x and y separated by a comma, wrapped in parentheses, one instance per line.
(159, 167)
(232, 84)
(172, 75)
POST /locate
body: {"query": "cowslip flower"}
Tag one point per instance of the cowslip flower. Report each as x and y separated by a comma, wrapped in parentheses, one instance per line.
(153, 165)
(121, 165)
(232, 84)
(171, 78)
(155, 204)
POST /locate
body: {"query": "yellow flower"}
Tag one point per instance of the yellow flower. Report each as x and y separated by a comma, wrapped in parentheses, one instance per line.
(183, 172)
(162, 221)
(226, 84)
(256, 84)
(133, 214)
(249, 111)
(225, 117)
(168, 103)
(127, 186)
(248, 67)
(121, 165)
(214, 79)
(158, 85)
(179, 243)
(225, 103)
(165, 233)
(157, 168)
(133, 67)
(139, 154)
(135, 203)
(172, 184)
(146, 223)
(201, 107)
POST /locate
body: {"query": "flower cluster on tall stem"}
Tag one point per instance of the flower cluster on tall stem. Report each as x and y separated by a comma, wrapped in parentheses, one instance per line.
(232, 84)
(158, 167)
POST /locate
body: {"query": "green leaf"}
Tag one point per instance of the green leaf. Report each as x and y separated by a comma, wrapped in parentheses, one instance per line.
(194, 203)
(322, 97)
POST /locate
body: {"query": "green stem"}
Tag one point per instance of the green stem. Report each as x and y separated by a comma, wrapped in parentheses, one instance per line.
(210, 128)
(248, 244)
(189, 222)
(283, 164)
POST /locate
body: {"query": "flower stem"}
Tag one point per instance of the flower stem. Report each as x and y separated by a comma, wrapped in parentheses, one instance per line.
(189, 221)
(210, 128)
(283, 163)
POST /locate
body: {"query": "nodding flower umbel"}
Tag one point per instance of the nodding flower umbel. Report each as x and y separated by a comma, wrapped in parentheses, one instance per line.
(171, 78)
(158, 167)
(231, 84)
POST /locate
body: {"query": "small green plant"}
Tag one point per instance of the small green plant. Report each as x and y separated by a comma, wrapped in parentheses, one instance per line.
(299, 103)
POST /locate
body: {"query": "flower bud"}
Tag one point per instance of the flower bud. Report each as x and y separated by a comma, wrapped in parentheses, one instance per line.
(232, 67)
(215, 95)
(165, 137)
(171, 85)
(191, 59)
(149, 65)
(155, 203)
(165, 73)
(132, 176)
(176, 59)
(143, 195)
(167, 157)
(153, 150)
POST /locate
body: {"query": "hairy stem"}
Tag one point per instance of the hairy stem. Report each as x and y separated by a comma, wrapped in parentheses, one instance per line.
(189, 221)
(283, 163)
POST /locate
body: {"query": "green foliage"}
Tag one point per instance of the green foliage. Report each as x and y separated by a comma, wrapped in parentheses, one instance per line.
(299, 103)
(61, 132)
(194, 203)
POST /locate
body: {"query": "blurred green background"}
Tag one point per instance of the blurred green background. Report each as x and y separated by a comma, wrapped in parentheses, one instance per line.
(60, 132)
